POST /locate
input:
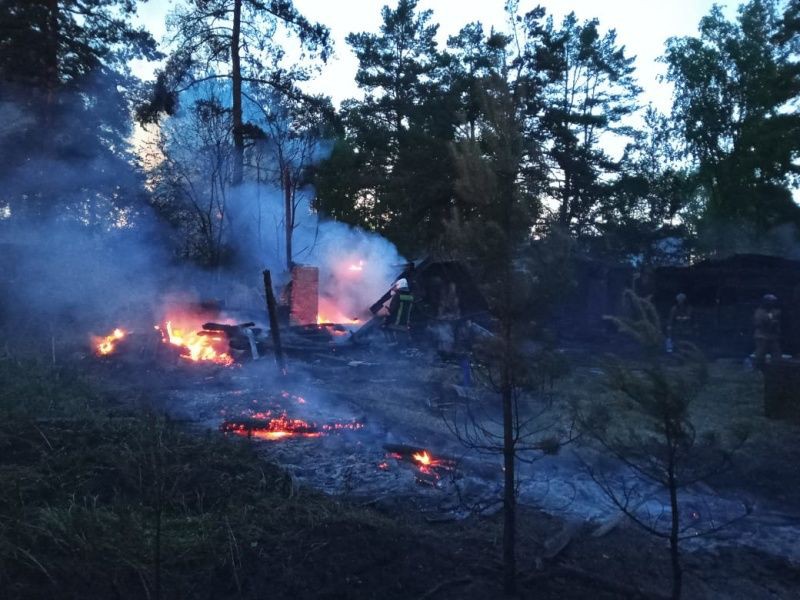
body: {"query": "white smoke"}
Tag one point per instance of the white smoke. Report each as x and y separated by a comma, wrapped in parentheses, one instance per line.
(355, 266)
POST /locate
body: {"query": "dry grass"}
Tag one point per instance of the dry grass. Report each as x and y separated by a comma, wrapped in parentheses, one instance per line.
(98, 501)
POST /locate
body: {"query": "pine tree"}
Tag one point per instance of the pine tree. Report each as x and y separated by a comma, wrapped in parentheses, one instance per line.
(734, 87)
(235, 40)
(66, 107)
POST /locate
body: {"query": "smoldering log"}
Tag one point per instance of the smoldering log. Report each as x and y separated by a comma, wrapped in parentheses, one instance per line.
(250, 426)
(240, 337)
(229, 330)
(403, 449)
(367, 328)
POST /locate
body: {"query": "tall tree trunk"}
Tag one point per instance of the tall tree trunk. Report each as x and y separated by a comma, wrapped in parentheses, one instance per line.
(289, 214)
(674, 541)
(509, 447)
(51, 73)
(236, 76)
(509, 494)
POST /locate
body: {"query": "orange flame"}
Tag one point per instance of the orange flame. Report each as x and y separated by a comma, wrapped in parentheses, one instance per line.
(106, 345)
(276, 428)
(425, 462)
(422, 458)
(330, 313)
(196, 347)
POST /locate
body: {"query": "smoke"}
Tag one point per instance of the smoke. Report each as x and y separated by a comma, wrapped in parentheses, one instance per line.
(96, 256)
(355, 266)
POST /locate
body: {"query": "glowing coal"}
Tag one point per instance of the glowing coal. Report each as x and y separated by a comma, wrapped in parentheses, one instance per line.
(193, 345)
(106, 345)
(425, 462)
(263, 426)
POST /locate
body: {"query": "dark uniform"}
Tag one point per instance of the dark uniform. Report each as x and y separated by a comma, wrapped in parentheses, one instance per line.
(680, 324)
(767, 334)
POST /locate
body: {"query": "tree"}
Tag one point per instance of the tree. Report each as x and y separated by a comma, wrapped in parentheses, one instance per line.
(491, 236)
(653, 434)
(63, 66)
(491, 179)
(649, 214)
(189, 179)
(474, 57)
(396, 138)
(285, 156)
(590, 90)
(735, 87)
(235, 40)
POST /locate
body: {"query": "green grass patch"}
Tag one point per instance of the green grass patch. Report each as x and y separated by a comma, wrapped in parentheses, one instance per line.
(97, 501)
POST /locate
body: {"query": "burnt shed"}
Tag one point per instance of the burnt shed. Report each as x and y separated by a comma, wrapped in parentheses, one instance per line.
(725, 293)
(431, 279)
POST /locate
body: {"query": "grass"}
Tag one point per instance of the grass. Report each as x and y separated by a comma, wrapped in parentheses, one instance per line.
(100, 501)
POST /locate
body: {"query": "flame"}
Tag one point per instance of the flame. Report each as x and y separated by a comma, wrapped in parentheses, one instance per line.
(196, 347)
(422, 458)
(106, 345)
(264, 428)
(330, 313)
(425, 462)
(359, 266)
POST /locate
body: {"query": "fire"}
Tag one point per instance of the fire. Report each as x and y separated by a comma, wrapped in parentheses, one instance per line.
(196, 347)
(426, 463)
(422, 458)
(359, 266)
(330, 313)
(107, 345)
(262, 427)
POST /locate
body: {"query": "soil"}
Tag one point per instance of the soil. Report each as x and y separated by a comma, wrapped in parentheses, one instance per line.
(430, 554)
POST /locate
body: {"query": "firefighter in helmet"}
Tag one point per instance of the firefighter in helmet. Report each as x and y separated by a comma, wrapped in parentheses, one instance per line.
(767, 330)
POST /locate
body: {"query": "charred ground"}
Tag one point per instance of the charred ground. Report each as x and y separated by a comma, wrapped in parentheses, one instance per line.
(118, 485)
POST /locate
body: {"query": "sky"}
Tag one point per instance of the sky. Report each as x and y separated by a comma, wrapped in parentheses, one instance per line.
(642, 26)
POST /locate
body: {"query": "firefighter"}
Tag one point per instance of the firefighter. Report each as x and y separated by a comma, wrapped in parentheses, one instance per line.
(767, 334)
(679, 324)
(399, 292)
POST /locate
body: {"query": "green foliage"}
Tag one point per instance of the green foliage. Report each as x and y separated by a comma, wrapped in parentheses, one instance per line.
(650, 429)
(589, 90)
(398, 168)
(202, 50)
(651, 200)
(734, 88)
(665, 386)
(66, 104)
(100, 501)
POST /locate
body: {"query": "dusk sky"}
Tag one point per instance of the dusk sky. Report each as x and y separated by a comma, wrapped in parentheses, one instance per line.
(642, 26)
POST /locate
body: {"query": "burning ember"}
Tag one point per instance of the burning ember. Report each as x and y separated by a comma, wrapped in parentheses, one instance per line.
(196, 346)
(295, 397)
(264, 428)
(426, 463)
(106, 345)
(330, 314)
(422, 458)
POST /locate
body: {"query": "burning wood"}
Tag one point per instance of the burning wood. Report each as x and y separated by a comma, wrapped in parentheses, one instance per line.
(282, 426)
(426, 463)
(194, 346)
(107, 344)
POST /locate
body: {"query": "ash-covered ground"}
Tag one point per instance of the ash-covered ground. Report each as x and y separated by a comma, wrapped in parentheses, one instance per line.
(367, 412)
